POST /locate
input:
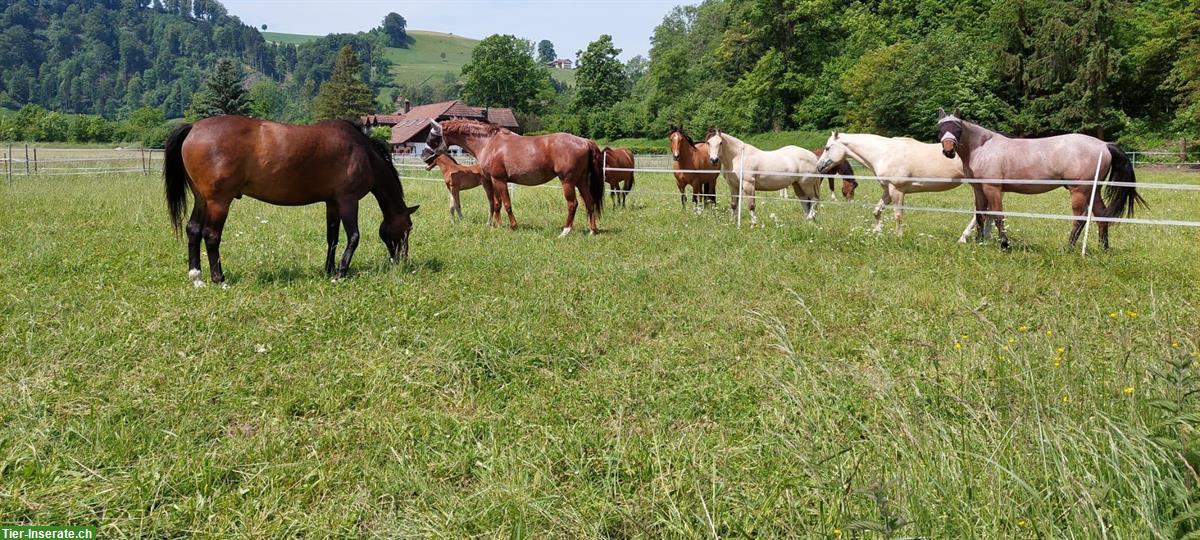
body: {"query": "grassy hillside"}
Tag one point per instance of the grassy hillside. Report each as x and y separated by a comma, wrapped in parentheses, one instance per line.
(280, 37)
(429, 57)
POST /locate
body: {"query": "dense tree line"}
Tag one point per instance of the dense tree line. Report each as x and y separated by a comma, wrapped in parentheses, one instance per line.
(1033, 67)
(113, 57)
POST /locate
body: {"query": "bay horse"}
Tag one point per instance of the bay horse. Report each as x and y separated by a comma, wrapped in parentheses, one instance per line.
(896, 157)
(762, 171)
(222, 158)
(688, 155)
(457, 177)
(504, 157)
(995, 158)
(842, 169)
(618, 158)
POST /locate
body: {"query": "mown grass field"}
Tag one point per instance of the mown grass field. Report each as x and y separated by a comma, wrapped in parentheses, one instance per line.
(671, 377)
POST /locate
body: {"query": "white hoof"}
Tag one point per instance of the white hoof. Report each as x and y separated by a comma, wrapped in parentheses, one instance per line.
(566, 231)
(224, 285)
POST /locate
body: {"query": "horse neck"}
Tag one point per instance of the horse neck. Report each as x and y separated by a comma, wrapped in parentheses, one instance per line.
(974, 137)
(732, 147)
(864, 148)
(690, 153)
(447, 163)
(388, 193)
(473, 143)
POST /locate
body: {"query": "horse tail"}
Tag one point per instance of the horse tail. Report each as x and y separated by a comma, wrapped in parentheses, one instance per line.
(1121, 199)
(596, 176)
(175, 176)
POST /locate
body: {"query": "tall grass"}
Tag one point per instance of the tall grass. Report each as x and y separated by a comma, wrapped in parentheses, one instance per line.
(673, 376)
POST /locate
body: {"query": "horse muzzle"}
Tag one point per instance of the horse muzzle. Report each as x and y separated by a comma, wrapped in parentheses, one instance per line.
(949, 148)
(823, 166)
(714, 161)
(675, 157)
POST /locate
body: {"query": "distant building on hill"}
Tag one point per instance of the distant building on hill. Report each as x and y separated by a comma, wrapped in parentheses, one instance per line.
(410, 125)
(561, 63)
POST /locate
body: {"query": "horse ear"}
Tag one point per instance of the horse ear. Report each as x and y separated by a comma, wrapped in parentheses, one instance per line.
(957, 114)
(413, 209)
(941, 113)
(835, 134)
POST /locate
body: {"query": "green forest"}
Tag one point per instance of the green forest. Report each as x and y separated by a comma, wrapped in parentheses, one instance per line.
(1120, 69)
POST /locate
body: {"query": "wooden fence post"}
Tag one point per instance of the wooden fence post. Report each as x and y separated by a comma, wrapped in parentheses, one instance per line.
(27, 160)
(35, 160)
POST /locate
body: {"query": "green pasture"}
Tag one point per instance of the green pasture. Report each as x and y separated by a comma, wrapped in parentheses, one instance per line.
(674, 376)
(292, 39)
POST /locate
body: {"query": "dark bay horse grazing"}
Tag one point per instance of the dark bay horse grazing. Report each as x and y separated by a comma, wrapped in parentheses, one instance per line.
(849, 184)
(457, 177)
(991, 156)
(689, 155)
(618, 158)
(504, 157)
(222, 158)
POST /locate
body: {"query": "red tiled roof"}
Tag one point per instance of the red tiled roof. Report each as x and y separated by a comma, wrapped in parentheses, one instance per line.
(408, 126)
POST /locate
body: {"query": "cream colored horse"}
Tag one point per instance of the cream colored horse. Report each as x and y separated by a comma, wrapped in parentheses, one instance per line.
(896, 157)
(765, 171)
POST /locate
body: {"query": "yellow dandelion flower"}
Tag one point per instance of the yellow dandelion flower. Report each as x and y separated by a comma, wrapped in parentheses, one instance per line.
(1174, 344)
(964, 337)
(1113, 315)
(837, 533)
(1060, 350)
(1022, 328)
(1129, 390)
(1021, 523)
(957, 346)
(1066, 399)
(1049, 332)
(1057, 363)
(1012, 340)
(1131, 314)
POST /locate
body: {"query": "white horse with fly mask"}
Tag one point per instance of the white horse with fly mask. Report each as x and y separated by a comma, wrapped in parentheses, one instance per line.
(892, 158)
(765, 171)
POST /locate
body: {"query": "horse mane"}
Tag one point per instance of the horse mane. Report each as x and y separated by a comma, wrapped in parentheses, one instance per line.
(686, 138)
(381, 150)
(471, 128)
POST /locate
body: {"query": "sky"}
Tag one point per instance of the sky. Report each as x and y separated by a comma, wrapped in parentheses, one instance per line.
(569, 24)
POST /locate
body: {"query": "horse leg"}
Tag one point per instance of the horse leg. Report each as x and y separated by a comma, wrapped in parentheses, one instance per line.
(832, 192)
(590, 205)
(898, 211)
(195, 227)
(500, 185)
(348, 213)
(683, 196)
(1078, 207)
(572, 205)
(884, 201)
(966, 234)
(455, 204)
(995, 198)
(489, 189)
(982, 222)
(748, 190)
(332, 221)
(215, 213)
(1098, 210)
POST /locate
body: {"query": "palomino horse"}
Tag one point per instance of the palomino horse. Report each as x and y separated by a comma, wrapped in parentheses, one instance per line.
(688, 155)
(843, 170)
(892, 157)
(222, 158)
(618, 158)
(504, 157)
(457, 177)
(765, 171)
(994, 158)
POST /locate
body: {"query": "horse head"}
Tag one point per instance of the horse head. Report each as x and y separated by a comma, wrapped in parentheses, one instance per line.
(429, 157)
(435, 139)
(950, 130)
(395, 230)
(676, 138)
(832, 154)
(713, 137)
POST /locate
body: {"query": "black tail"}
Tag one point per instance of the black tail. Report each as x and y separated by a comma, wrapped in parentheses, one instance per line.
(175, 177)
(596, 177)
(1121, 199)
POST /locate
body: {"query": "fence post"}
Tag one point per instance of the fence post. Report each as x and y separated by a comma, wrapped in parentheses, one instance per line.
(1133, 158)
(1183, 150)
(8, 165)
(1091, 201)
(741, 183)
(27, 160)
(35, 160)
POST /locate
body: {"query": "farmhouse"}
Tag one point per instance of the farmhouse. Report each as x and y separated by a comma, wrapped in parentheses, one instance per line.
(561, 63)
(410, 125)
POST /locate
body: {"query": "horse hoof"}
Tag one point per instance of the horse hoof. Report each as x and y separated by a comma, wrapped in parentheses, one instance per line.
(198, 283)
(565, 232)
(224, 285)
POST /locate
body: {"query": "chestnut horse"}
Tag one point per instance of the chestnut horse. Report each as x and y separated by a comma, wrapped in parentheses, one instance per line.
(618, 158)
(687, 155)
(843, 168)
(504, 157)
(222, 158)
(994, 158)
(457, 177)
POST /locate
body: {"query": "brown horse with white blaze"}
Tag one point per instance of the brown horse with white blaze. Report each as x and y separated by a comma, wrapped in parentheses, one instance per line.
(504, 157)
(688, 155)
(843, 170)
(620, 182)
(994, 158)
(222, 158)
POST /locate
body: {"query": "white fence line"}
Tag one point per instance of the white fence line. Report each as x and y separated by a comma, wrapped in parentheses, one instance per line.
(864, 205)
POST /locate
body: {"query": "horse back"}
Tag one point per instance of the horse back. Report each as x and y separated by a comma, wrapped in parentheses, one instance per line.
(231, 156)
